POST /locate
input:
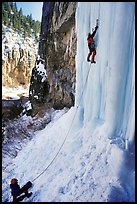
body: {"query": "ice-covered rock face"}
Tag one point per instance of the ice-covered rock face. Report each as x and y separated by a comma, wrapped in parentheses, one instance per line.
(18, 57)
(39, 86)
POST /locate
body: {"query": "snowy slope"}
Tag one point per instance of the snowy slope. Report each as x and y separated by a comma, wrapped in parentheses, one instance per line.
(14, 40)
(82, 164)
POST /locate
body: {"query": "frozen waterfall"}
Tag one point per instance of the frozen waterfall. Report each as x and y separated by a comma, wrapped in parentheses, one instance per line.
(109, 94)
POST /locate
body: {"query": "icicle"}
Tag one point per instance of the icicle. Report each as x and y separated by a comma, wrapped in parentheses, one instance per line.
(126, 144)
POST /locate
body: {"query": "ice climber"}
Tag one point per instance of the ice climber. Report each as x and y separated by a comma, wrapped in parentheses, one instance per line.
(17, 191)
(91, 45)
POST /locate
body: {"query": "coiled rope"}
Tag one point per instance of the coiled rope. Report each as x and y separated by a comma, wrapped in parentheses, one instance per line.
(67, 132)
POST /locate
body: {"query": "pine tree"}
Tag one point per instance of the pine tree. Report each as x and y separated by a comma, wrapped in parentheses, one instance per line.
(20, 13)
(15, 19)
(7, 6)
(15, 22)
(11, 5)
(15, 10)
(5, 18)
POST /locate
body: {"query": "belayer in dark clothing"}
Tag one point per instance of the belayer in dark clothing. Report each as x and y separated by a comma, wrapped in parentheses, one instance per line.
(17, 191)
(91, 45)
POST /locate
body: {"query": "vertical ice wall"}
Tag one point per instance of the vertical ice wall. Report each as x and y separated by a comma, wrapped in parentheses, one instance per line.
(105, 91)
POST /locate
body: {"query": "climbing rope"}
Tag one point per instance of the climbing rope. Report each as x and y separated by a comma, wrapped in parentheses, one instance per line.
(67, 132)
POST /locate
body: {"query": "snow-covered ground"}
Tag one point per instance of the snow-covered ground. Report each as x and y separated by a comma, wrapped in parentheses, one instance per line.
(86, 168)
(14, 92)
(72, 159)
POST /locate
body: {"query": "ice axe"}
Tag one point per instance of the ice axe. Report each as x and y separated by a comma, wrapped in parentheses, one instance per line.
(97, 22)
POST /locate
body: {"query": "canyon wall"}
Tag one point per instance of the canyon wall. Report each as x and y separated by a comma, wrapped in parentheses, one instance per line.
(18, 58)
(57, 51)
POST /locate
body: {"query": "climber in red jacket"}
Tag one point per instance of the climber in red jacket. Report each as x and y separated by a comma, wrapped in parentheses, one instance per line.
(91, 45)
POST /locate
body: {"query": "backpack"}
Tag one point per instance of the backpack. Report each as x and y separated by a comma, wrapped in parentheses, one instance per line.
(91, 42)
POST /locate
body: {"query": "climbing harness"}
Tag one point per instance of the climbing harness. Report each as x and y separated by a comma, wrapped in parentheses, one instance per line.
(67, 132)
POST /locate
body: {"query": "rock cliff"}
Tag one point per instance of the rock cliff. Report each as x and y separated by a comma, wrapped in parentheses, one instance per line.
(18, 58)
(57, 50)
